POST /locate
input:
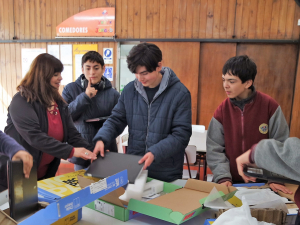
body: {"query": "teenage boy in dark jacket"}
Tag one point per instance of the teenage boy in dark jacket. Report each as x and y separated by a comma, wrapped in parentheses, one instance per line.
(156, 106)
(90, 96)
(242, 120)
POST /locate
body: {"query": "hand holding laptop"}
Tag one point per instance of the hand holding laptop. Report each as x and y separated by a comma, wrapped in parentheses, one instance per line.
(241, 162)
(99, 148)
(250, 174)
(148, 158)
(27, 161)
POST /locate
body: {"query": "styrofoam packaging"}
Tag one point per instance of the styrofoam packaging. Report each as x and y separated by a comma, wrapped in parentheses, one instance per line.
(135, 190)
(153, 187)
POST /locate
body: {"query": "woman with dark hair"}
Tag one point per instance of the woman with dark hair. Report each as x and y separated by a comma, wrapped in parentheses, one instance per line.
(39, 120)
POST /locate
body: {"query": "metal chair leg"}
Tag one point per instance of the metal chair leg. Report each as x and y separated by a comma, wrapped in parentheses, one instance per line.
(188, 164)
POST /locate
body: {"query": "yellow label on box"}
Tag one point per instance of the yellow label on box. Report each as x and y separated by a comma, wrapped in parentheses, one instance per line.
(211, 222)
(68, 220)
(63, 185)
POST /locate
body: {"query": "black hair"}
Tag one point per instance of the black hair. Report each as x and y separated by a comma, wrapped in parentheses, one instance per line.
(92, 56)
(144, 54)
(242, 67)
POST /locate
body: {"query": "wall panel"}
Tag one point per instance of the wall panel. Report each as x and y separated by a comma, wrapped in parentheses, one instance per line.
(210, 87)
(247, 19)
(295, 121)
(162, 18)
(185, 66)
(276, 66)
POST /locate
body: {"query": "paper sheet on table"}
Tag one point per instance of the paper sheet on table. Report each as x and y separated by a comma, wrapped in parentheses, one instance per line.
(238, 216)
(215, 201)
(258, 196)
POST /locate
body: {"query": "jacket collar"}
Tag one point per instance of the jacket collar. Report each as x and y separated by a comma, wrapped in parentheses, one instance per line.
(166, 75)
(241, 104)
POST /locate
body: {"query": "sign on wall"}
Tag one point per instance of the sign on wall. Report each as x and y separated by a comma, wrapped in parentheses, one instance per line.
(28, 55)
(78, 52)
(64, 54)
(54, 50)
(98, 22)
(108, 55)
(109, 73)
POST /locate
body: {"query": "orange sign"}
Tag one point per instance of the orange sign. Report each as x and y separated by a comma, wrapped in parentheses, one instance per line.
(99, 22)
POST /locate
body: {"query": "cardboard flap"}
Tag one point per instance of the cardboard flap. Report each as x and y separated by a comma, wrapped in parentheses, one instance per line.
(5, 219)
(113, 197)
(85, 181)
(150, 209)
(183, 200)
(291, 206)
(231, 189)
(204, 186)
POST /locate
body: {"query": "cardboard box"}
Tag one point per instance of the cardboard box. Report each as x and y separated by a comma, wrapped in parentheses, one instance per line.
(267, 214)
(180, 204)
(67, 201)
(65, 184)
(112, 206)
(275, 216)
(70, 219)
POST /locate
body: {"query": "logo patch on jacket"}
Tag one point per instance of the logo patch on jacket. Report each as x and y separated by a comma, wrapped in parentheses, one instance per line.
(263, 128)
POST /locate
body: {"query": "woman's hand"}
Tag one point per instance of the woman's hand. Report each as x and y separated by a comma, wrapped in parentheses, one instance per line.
(84, 154)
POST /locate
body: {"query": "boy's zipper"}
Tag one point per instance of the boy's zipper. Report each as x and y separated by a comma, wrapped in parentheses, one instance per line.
(243, 137)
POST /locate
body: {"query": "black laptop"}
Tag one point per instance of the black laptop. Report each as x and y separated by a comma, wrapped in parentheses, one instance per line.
(267, 175)
(113, 163)
(23, 192)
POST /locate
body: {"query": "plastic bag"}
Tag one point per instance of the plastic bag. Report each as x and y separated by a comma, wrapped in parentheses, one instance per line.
(238, 216)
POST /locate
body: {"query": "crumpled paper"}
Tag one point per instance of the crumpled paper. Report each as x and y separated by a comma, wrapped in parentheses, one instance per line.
(238, 216)
(258, 196)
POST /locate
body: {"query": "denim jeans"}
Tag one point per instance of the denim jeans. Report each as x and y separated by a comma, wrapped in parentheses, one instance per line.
(79, 167)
